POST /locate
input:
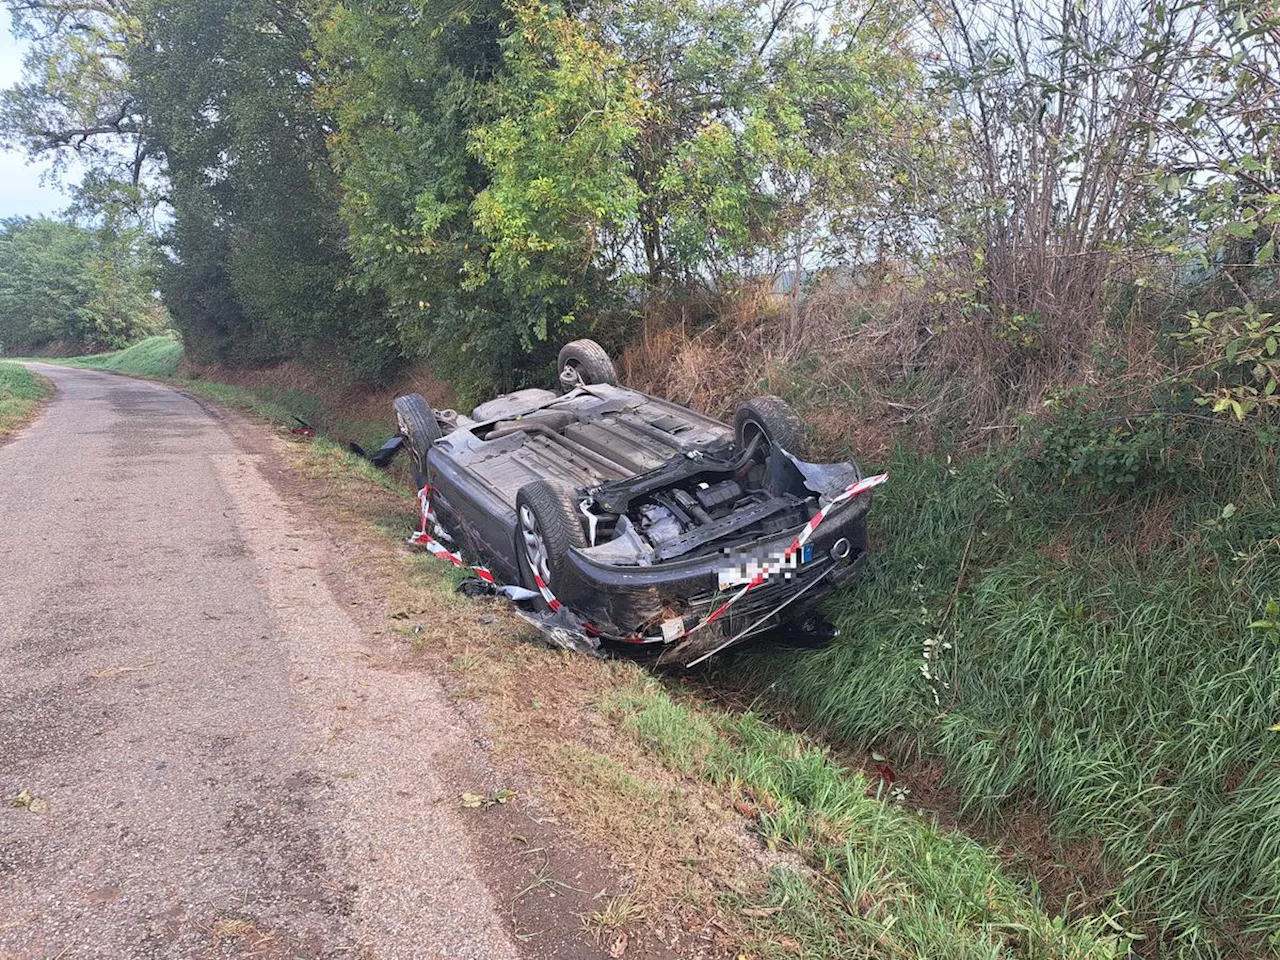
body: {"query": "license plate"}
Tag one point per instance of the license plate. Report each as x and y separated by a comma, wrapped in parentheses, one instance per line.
(745, 572)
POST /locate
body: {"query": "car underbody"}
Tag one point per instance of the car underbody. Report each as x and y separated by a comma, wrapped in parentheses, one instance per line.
(666, 511)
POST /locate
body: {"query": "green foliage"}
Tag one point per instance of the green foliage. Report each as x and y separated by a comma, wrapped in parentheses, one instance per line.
(1238, 350)
(20, 392)
(258, 264)
(1096, 662)
(895, 884)
(405, 90)
(1097, 450)
(66, 285)
(75, 96)
(157, 357)
(559, 181)
(508, 169)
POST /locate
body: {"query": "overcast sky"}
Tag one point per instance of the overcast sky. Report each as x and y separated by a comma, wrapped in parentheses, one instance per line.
(21, 193)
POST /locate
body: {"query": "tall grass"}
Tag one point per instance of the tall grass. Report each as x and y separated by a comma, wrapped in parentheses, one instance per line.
(20, 392)
(1096, 656)
(877, 881)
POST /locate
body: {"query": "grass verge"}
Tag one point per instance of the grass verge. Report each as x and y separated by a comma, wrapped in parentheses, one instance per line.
(21, 392)
(156, 357)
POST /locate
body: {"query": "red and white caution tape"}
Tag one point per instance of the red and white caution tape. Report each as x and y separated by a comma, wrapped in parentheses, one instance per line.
(785, 561)
(423, 538)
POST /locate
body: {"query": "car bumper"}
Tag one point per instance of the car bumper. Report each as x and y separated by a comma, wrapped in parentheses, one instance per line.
(635, 601)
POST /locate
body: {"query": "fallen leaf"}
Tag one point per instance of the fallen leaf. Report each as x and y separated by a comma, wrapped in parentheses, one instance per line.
(488, 799)
(618, 947)
(25, 800)
(760, 911)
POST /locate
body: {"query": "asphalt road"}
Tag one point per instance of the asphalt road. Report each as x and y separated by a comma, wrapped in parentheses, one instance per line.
(189, 708)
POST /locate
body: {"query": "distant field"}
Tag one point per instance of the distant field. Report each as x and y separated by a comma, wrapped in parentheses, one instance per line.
(20, 392)
(152, 357)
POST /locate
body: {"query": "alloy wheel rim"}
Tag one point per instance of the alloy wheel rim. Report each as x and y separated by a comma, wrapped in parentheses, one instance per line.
(535, 546)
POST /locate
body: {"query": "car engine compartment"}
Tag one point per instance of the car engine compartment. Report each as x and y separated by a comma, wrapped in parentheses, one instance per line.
(699, 505)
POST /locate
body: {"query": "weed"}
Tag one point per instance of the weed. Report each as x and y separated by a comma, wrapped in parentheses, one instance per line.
(617, 914)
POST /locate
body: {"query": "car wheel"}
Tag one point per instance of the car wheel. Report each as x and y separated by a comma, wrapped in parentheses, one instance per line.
(417, 423)
(547, 527)
(773, 419)
(584, 362)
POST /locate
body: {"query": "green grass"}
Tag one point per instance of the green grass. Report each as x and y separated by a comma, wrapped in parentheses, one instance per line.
(20, 392)
(153, 357)
(876, 881)
(1095, 657)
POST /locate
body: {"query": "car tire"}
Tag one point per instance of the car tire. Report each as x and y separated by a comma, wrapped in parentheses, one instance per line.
(774, 418)
(417, 423)
(587, 363)
(547, 527)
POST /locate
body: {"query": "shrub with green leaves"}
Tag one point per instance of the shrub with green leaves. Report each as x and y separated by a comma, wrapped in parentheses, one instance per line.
(1096, 450)
(1238, 359)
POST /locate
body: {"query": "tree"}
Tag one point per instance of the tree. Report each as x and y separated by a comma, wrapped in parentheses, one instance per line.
(75, 95)
(209, 110)
(229, 91)
(509, 169)
(72, 287)
(564, 111)
(405, 84)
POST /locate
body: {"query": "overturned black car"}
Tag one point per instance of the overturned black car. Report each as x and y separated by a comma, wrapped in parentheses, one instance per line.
(647, 522)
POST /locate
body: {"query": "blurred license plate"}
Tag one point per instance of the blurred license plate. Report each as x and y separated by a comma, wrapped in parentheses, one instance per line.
(745, 572)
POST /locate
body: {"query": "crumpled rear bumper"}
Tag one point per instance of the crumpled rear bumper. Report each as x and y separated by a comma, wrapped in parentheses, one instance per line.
(630, 601)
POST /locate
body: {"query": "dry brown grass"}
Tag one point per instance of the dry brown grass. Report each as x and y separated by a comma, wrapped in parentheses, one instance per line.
(906, 361)
(328, 381)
